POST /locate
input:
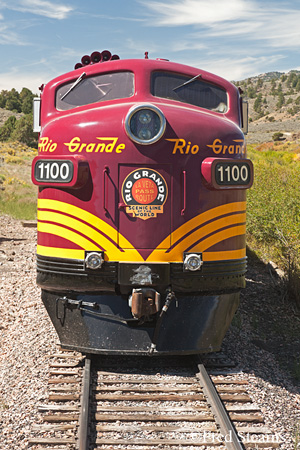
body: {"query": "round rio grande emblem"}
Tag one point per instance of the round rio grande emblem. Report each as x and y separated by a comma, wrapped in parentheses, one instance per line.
(144, 192)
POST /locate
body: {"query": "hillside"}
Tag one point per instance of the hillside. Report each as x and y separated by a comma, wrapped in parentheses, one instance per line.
(274, 105)
(5, 114)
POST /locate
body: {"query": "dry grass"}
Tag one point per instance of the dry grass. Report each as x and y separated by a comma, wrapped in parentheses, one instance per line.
(17, 193)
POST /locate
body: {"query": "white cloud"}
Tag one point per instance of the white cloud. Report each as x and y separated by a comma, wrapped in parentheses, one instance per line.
(188, 45)
(276, 28)
(8, 37)
(138, 48)
(246, 20)
(196, 12)
(236, 68)
(17, 78)
(45, 8)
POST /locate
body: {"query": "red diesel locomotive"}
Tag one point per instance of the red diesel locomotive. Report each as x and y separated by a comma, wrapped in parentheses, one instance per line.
(142, 176)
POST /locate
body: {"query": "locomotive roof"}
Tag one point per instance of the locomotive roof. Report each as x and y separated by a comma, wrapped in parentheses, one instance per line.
(143, 66)
(142, 69)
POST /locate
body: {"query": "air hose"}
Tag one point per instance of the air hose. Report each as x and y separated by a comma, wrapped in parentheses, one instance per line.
(169, 298)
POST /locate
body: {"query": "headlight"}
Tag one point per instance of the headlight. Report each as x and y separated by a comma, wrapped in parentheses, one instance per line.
(145, 124)
(94, 260)
(192, 262)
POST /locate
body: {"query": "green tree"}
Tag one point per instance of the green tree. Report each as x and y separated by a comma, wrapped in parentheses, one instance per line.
(273, 87)
(7, 129)
(26, 97)
(258, 104)
(291, 79)
(13, 102)
(295, 81)
(281, 100)
(251, 92)
(3, 98)
(278, 136)
(23, 131)
(259, 83)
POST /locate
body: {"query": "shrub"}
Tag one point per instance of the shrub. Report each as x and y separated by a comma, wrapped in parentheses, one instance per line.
(7, 129)
(23, 131)
(278, 136)
(273, 219)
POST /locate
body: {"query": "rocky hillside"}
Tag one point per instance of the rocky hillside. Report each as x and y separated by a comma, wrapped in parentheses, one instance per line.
(5, 114)
(274, 105)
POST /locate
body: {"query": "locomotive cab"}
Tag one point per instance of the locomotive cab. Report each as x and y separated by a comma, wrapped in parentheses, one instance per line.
(142, 174)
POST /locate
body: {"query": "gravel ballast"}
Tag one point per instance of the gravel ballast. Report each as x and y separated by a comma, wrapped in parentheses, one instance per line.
(27, 336)
(263, 339)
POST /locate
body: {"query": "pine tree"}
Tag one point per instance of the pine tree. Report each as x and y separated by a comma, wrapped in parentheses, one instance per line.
(8, 128)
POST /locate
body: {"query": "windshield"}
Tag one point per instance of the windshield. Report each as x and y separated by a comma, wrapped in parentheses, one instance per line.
(100, 88)
(191, 90)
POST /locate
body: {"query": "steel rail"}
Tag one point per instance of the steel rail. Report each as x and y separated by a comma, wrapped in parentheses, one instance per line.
(83, 443)
(227, 429)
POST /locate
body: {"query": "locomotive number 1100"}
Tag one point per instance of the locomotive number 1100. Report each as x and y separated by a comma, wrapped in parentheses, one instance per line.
(232, 173)
(54, 171)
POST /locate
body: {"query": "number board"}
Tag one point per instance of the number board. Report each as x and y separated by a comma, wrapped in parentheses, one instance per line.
(53, 171)
(225, 173)
(233, 173)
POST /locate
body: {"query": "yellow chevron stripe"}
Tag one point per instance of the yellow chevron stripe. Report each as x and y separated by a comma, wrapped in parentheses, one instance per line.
(218, 237)
(112, 253)
(223, 256)
(67, 253)
(60, 252)
(176, 253)
(84, 215)
(200, 219)
(55, 252)
(72, 236)
(76, 225)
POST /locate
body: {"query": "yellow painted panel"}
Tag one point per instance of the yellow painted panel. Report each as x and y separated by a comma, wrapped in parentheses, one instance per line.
(176, 253)
(58, 214)
(222, 256)
(71, 236)
(60, 252)
(195, 222)
(218, 237)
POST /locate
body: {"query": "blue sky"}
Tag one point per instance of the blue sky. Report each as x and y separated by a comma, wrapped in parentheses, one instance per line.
(40, 39)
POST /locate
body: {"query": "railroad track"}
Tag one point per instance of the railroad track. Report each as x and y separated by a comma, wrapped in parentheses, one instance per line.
(134, 404)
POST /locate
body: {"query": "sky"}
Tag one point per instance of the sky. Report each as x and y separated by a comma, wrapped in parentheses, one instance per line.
(236, 39)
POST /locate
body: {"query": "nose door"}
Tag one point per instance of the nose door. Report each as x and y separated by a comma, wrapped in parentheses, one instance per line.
(145, 194)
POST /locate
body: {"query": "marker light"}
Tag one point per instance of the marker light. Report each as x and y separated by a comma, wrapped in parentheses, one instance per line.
(145, 124)
(193, 262)
(94, 260)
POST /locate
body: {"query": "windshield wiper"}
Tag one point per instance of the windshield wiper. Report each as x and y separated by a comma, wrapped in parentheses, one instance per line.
(187, 82)
(74, 85)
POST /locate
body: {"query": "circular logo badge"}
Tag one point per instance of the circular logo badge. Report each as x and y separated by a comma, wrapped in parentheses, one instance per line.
(144, 191)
